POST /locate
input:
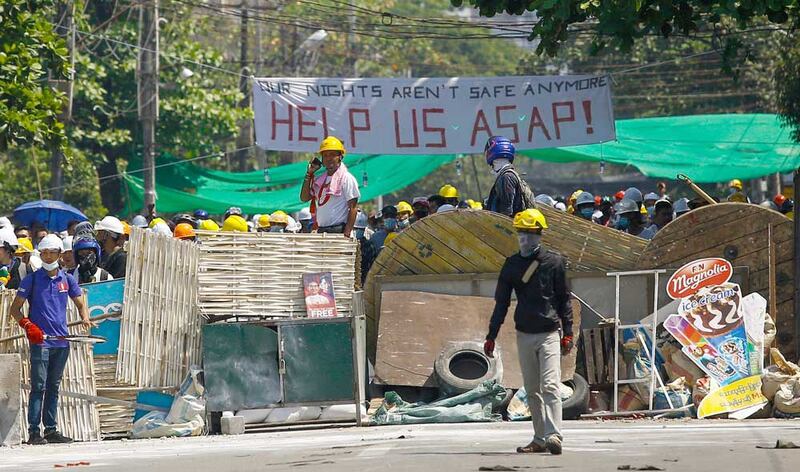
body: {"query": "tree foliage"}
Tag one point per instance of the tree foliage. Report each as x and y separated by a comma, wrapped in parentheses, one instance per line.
(29, 107)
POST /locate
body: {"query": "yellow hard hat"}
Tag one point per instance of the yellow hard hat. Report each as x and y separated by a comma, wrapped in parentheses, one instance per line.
(574, 196)
(126, 228)
(643, 210)
(235, 223)
(475, 205)
(736, 183)
(208, 225)
(448, 191)
(263, 221)
(530, 219)
(279, 217)
(404, 207)
(25, 246)
(156, 221)
(389, 238)
(331, 143)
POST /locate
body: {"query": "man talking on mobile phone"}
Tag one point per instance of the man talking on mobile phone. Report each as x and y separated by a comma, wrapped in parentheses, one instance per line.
(335, 193)
(47, 291)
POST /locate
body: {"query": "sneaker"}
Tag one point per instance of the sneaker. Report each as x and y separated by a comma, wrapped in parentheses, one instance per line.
(531, 448)
(57, 438)
(36, 439)
(553, 444)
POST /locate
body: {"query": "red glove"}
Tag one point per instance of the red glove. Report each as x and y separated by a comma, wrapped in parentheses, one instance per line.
(488, 348)
(33, 332)
(566, 345)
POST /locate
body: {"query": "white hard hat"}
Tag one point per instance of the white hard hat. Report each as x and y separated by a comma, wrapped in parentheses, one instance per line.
(445, 207)
(111, 224)
(5, 222)
(361, 220)
(560, 206)
(139, 221)
(304, 214)
(49, 242)
(68, 243)
(7, 236)
(162, 228)
(293, 226)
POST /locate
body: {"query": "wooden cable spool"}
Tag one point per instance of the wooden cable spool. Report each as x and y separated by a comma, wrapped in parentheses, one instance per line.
(478, 242)
(738, 232)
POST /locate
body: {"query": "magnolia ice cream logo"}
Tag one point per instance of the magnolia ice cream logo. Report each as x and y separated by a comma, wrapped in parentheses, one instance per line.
(696, 275)
(714, 311)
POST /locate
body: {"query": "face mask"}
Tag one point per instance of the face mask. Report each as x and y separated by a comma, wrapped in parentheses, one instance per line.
(498, 165)
(623, 223)
(420, 214)
(651, 211)
(528, 243)
(48, 266)
(390, 224)
(587, 213)
(276, 229)
(403, 224)
(87, 262)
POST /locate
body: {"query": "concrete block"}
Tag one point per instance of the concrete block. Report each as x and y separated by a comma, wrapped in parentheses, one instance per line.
(232, 424)
(10, 404)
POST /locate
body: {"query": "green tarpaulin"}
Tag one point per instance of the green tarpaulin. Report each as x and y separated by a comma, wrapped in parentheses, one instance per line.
(707, 148)
(186, 187)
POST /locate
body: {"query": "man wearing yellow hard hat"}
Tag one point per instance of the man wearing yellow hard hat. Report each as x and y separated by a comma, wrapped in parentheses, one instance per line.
(543, 319)
(334, 194)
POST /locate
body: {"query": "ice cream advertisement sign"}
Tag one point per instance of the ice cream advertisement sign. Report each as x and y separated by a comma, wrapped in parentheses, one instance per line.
(710, 324)
(697, 275)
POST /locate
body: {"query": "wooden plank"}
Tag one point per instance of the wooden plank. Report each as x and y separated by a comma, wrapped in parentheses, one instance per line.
(423, 234)
(588, 355)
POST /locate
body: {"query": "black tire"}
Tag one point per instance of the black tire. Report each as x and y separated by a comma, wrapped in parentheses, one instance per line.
(502, 408)
(470, 355)
(576, 405)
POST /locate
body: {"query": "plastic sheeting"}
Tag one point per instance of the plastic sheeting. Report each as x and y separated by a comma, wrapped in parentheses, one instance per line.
(473, 406)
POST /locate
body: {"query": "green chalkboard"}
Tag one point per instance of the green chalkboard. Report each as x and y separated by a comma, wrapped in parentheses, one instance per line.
(241, 366)
(319, 362)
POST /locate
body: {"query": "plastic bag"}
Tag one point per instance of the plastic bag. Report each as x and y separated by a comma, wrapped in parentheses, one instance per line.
(184, 408)
(675, 391)
(518, 408)
(294, 414)
(154, 425)
(342, 413)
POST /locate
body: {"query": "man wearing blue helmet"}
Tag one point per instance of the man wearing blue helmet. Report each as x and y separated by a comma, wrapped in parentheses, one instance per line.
(506, 196)
(87, 255)
(200, 215)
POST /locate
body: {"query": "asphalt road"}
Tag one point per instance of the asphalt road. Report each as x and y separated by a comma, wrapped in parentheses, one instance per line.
(667, 445)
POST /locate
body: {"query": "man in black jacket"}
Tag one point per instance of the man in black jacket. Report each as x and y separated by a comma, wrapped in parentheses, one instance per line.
(506, 194)
(538, 277)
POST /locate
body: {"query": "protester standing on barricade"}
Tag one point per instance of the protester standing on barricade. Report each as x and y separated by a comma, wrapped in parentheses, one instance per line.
(543, 319)
(111, 236)
(47, 291)
(335, 193)
(506, 195)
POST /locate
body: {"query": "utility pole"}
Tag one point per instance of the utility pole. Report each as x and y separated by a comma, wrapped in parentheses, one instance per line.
(147, 94)
(351, 38)
(245, 138)
(66, 29)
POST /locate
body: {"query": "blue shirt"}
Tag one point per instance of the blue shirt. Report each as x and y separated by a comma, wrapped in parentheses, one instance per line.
(47, 299)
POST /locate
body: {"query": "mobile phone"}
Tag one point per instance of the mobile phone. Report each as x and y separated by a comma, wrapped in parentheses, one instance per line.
(317, 162)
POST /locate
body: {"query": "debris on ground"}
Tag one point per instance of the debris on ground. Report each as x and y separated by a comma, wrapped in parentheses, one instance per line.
(781, 444)
(644, 467)
(502, 468)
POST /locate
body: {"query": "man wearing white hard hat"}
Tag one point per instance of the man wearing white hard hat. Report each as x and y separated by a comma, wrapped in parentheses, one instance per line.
(67, 256)
(47, 292)
(111, 236)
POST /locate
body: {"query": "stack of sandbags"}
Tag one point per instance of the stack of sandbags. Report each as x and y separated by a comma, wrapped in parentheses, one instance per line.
(781, 384)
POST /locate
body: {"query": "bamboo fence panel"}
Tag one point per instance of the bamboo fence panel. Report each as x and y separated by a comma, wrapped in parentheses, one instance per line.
(260, 274)
(77, 418)
(160, 327)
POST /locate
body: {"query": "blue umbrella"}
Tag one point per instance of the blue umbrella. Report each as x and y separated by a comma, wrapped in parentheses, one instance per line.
(54, 215)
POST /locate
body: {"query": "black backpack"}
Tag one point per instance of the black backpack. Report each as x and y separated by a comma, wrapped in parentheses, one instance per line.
(526, 193)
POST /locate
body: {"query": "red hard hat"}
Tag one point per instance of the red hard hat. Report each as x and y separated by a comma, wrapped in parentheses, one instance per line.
(619, 195)
(598, 199)
(779, 199)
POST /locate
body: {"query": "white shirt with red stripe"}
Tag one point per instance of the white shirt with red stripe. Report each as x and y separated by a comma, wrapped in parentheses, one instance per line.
(331, 209)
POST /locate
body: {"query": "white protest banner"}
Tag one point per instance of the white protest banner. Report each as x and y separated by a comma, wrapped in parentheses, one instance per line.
(432, 115)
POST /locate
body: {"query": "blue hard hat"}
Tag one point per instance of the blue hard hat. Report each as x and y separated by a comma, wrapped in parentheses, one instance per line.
(201, 214)
(87, 243)
(499, 147)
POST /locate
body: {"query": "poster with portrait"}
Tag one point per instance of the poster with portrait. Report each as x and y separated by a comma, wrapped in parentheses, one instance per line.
(318, 292)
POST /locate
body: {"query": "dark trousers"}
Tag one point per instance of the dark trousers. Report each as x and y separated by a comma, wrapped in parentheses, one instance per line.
(331, 229)
(47, 367)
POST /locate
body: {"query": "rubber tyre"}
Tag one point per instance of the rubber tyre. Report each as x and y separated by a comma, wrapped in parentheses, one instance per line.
(576, 405)
(451, 384)
(502, 408)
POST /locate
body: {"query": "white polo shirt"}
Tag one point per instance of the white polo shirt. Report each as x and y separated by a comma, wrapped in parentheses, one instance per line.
(332, 210)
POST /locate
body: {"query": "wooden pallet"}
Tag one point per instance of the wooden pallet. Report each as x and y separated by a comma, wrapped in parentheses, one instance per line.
(598, 351)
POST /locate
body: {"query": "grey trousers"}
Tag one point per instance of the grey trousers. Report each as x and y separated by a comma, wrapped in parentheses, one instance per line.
(540, 362)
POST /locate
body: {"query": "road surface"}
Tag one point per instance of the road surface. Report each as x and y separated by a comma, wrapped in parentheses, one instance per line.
(597, 446)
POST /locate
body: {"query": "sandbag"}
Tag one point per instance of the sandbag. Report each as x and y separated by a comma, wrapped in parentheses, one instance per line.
(675, 391)
(154, 425)
(294, 414)
(342, 413)
(629, 400)
(254, 416)
(772, 379)
(184, 408)
(701, 388)
(787, 398)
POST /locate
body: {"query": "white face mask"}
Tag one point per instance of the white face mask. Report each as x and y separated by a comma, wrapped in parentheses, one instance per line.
(50, 266)
(499, 164)
(528, 243)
